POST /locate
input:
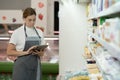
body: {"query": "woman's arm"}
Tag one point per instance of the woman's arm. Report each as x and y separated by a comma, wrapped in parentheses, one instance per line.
(11, 50)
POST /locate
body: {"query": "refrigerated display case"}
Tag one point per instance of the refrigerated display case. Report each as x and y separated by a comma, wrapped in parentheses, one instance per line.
(50, 66)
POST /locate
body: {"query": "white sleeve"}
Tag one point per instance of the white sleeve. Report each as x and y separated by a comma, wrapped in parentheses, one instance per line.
(13, 38)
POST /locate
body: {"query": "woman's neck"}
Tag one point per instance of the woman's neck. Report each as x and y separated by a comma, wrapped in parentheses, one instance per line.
(28, 26)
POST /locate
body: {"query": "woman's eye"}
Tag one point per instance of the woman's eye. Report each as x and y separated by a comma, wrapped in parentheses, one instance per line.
(31, 20)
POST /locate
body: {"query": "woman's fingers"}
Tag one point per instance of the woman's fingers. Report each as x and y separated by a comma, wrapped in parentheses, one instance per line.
(36, 52)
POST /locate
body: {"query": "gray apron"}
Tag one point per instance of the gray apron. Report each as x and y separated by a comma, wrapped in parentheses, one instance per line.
(27, 67)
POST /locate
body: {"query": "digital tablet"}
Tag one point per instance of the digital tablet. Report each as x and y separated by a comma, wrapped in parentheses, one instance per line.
(40, 47)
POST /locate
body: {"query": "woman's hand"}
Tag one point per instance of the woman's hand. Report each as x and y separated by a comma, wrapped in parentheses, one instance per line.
(30, 50)
(33, 51)
(39, 52)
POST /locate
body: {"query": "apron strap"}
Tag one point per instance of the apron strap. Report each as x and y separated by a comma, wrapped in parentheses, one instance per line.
(37, 33)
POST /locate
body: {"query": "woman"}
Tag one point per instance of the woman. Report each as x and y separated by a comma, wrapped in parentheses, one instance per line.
(23, 40)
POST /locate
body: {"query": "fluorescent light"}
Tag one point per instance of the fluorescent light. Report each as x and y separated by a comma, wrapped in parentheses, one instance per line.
(51, 38)
(4, 38)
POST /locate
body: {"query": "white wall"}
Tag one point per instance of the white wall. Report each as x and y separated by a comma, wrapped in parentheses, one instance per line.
(10, 13)
(50, 17)
(43, 10)
(73, 36)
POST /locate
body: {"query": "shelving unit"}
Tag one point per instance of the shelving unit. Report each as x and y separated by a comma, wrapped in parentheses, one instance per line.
(113, 50)
(114, 9)
(97, 62)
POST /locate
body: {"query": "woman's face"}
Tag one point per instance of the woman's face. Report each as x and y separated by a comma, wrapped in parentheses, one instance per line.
(30, 20)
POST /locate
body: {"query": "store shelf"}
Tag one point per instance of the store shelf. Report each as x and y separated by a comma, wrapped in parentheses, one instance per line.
(4, 38)
(110, 11)
(113, 50)
(97, 62)
(53, 37)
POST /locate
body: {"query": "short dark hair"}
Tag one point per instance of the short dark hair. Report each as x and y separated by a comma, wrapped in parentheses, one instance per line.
(28, 12)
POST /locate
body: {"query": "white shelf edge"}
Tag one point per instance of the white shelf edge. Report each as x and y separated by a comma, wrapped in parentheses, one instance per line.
(113, 50)
(97, 62)
(46, 38)
(111, 10)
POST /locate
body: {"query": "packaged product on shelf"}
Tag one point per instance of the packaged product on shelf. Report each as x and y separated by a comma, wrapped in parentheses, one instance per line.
(94, 8)
(107, 31)
(94, 25)
(91, 66)
(96, 76)
(108, 3)
(87, 53)
(89, 10)
(105, 4)
(99, 5)
(77, 75)
(114, 30)
(80, 78)
(101, 31)
(111, 2)
(91, 61)
(93, 71)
